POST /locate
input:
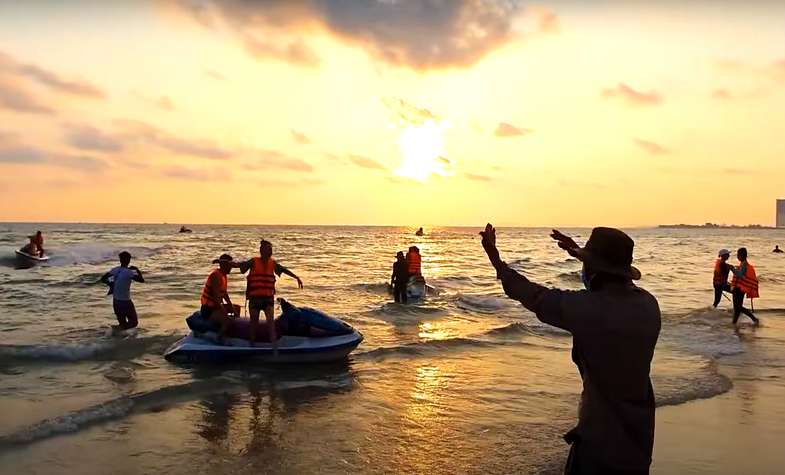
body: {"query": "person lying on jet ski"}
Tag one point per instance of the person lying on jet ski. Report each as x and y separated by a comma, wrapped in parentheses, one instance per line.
(216, 304)
(261, 288)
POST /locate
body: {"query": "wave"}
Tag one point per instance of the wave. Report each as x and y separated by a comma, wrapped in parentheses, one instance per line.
(381, 288)
(689, 388)
(481, 303)
(155, 400)
(96, 253)
(426, 347)
(115, 349)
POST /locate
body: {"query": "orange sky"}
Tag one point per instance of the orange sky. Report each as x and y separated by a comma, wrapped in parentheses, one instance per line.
(448, 113)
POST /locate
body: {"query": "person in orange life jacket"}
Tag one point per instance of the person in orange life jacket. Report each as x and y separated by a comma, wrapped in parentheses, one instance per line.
(721, 271)
(261, 288)
(215, 300)
(414, 261)
(745, 282)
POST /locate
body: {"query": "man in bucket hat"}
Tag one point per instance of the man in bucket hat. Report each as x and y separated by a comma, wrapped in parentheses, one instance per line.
(614, 326)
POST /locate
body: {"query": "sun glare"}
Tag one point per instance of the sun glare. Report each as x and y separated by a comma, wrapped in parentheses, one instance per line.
(422, 150)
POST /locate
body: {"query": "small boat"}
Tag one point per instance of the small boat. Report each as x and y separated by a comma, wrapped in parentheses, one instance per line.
(416, 288)
(307, 336)
(29, 260)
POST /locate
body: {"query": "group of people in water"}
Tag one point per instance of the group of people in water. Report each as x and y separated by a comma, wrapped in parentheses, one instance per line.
(405, 268)
(614, 325)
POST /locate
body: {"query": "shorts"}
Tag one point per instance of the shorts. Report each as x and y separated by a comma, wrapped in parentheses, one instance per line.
(206, 311)
(261, 303)
(125, 312)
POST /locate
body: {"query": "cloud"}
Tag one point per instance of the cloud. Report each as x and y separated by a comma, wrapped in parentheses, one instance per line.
(48, 78)
(476, 177)
(408, 112)
(86, 137)
(736, 171)
(300, 137)
(290, 183)
(508, 130)
(721, 94)
(14, 97)
(631, 96)
(196, 174)
(165, 103)
(213, 74)
(296, 52)
(421, 34)
(21, 154)
(148, 134)
(651, 147)
(365, 162)
(271, 159)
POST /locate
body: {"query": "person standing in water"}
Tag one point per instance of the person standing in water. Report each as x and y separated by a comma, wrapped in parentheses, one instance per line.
(414, 261)
(119, 281)
(721, 271)
(614, 326)
(744, 283)
(215, 300)
(260, 290)
(400, 276)
(777, 249)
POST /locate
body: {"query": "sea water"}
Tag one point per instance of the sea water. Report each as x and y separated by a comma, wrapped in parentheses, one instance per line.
(467, 381)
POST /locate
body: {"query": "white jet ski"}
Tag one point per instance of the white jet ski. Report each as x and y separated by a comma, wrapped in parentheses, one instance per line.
(28, 260)
(416, 288)
(307, 336)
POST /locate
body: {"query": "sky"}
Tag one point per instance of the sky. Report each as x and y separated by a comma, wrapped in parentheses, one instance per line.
(418, 112)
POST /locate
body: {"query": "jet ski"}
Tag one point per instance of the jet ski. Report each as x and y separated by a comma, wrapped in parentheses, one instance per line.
(307, 335)
(416, 288)
(28, 260)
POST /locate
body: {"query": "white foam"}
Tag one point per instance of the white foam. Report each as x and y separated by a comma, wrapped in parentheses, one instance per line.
(54, 352)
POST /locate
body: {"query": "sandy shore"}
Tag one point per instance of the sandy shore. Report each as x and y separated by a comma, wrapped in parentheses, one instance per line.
(739, 432)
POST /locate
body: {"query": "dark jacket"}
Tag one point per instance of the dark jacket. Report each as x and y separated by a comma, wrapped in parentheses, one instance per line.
(400, 274)
(614, 333)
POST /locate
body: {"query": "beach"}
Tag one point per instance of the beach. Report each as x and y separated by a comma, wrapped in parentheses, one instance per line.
(466, 382)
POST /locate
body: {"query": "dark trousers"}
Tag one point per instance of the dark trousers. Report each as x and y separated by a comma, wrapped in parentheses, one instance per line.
(125, 312)
(399, 293)
(579, 462)
(718, 289)
(738, 306)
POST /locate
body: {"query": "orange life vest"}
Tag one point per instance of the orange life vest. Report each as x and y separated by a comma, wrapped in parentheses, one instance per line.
(719, 279)
(207, 291)
(414, 262)
(261, 278)
(748, 283)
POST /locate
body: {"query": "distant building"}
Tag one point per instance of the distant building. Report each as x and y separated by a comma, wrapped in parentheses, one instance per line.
(781, 213)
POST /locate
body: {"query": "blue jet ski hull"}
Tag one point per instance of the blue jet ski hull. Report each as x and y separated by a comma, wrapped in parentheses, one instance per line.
(203, 348)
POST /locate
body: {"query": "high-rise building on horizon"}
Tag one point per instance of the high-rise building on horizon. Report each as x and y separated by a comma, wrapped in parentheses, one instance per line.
(781, 213)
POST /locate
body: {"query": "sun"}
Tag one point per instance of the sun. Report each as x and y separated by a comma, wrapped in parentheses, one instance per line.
(422, 150)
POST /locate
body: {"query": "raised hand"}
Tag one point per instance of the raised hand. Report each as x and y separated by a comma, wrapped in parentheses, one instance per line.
(489, 244)
(565, 242)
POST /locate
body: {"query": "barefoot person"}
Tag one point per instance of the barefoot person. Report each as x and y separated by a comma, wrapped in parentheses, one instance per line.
(614, 326)
(261, 288)
(744, 283)
(215, 300)
(119, 281)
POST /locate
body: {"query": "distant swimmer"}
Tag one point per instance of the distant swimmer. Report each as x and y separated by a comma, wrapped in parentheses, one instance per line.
(721, 271)
(119, 280)
(400, 277)
(183, 229)
(744, 283)
(614, 326)
(777, 249)
(260, 290)
(216, 304)
(419, 232)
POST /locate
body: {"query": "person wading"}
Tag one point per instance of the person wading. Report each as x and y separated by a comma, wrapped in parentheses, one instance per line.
(399, 278)
(721, 271)
(261, 289)
(745, 282)
(614, 326)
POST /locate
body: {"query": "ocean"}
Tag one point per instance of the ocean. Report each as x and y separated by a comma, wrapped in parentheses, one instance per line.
(466, 382)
